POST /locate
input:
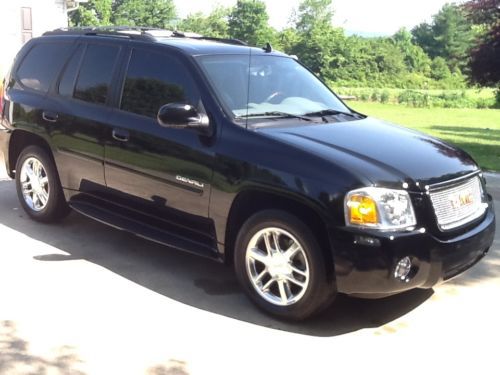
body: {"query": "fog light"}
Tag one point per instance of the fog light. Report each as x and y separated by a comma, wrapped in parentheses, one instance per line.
(403, 269)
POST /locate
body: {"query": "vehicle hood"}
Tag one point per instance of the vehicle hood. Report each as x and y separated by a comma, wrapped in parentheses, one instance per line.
(383, 153)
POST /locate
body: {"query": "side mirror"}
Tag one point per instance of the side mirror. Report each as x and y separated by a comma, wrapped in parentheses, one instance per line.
(181, 116)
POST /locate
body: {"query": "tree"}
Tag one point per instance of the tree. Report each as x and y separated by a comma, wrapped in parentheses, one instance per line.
(319, 44)
(312, 13)
(154, 13)
(248, 21)
(215, 24)
(450, 36)
(287, 39)
(415, 58)
(485, 60)
(439, 69)
(423, 36)
(93, 13)
(485, 56)
(483, 12)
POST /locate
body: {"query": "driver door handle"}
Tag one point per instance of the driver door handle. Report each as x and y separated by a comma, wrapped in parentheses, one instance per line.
(50, 116)
(121, 135)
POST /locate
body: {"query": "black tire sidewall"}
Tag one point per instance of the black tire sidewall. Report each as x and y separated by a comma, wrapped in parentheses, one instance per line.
(318, 292)
(56, 204)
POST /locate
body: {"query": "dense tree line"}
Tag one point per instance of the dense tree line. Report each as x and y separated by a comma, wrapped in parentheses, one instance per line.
(485, 55)
(460, 45)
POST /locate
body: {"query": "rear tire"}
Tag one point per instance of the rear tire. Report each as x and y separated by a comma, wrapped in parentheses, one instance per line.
(38, 186)
(281, 267)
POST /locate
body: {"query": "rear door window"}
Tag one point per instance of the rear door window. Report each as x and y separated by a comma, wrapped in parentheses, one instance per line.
(42, 64)
(96, 73)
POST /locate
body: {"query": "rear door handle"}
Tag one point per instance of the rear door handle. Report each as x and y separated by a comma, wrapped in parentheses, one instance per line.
(121, 135)
(50, 116)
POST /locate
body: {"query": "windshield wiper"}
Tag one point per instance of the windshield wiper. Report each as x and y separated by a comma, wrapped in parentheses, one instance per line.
(276, 114)
(331, 112)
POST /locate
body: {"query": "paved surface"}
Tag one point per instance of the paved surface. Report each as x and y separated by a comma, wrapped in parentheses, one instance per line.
(82, 298)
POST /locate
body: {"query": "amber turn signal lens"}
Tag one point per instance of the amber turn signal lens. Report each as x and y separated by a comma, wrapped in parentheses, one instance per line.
(362, 210)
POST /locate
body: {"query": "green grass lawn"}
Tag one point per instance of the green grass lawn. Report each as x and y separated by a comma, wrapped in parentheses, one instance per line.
(477, 131)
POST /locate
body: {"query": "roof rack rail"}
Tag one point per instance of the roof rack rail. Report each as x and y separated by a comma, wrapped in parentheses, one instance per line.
(116, 31)
(211, 38)
(139, 33)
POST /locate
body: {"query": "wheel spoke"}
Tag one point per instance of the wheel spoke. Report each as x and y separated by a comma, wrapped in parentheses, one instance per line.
(283, 294)
(36, 201)
(293, 280)
(276, 241)
(35, 167)
(292, 250)
(267, 241)
(30, 201)
(287, 289)
(267, 285)
(42, 198)
(26, 187)
(260, 276)
(39, 170)
(258, 255)
(29, 172)
(299, 271)
(44, 180)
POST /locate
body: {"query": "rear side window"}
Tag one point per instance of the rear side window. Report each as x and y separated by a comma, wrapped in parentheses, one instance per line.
(153, 80)
(67, 82)
(42, 64)
(96, 73)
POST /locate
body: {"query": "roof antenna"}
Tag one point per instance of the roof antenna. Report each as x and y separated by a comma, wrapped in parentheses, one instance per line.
(268, 48)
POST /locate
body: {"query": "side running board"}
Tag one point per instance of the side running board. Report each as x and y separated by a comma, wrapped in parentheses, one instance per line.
(120, 220)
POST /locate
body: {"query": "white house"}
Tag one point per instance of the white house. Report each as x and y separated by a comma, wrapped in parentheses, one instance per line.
(22, 20)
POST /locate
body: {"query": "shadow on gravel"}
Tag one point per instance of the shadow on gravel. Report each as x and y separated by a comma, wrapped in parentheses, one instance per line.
(15, 356)
(192, 280)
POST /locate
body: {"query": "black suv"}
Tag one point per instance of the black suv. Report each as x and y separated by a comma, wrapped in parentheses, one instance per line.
(241, 155)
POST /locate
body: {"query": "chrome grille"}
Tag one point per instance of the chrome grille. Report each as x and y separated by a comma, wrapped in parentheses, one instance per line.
(458, 204)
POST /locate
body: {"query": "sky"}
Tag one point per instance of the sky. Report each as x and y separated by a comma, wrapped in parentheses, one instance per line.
(365, 17)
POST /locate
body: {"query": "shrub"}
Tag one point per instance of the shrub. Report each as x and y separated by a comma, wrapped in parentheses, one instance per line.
(385, 96)
(364, 96)
(426, 98)
(414, 98)
(483, 103)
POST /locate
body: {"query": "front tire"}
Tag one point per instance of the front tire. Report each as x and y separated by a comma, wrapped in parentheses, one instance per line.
(38, 186)
(280, 266)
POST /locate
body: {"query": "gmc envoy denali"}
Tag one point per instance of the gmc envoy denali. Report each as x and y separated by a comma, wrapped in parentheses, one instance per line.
(242, 155)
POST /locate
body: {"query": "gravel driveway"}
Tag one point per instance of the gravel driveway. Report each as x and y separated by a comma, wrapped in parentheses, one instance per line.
(82, 298)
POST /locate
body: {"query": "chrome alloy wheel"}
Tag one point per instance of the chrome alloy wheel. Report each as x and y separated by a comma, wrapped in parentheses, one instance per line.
(277, 266)
(34, 184)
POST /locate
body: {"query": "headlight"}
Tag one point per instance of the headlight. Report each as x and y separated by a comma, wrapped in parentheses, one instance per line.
(379, 208)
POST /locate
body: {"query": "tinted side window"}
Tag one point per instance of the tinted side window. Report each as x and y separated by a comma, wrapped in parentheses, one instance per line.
(96, 73)
(153, 80)
(41, 65)
(67, 82)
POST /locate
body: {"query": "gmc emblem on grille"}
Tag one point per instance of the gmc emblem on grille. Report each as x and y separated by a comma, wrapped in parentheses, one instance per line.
(461, 199)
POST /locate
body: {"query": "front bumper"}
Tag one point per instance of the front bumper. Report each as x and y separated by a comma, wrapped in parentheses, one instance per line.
(365, 260)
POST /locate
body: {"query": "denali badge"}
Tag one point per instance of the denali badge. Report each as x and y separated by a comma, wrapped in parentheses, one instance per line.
(462, 199)
(189, 181)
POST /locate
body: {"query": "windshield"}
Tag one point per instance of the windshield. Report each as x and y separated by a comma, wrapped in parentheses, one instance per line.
(267, 86)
